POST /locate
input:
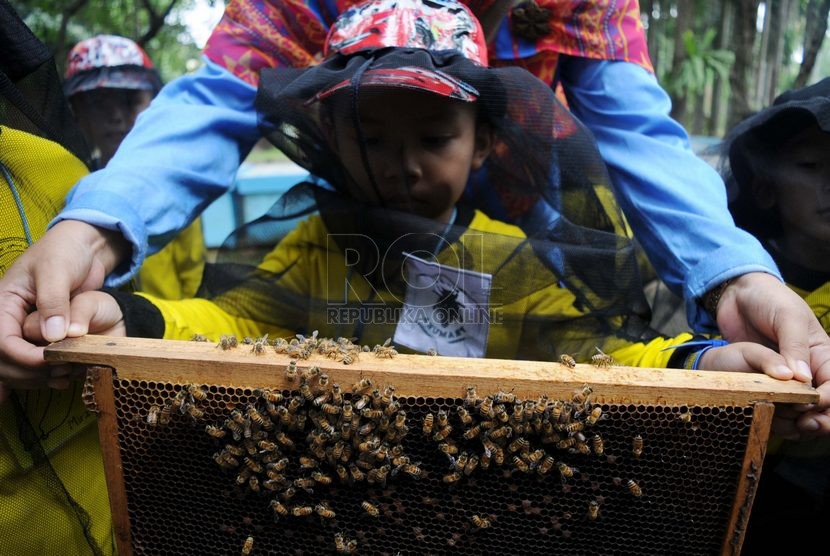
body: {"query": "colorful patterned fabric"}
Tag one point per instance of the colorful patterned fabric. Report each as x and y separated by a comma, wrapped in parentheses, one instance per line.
(256, 34)
(439, 25)
(109, 61)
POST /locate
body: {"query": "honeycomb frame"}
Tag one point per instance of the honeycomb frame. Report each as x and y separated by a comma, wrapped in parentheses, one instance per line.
(703, 437)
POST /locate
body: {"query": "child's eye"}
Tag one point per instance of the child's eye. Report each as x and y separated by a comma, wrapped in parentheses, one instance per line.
(436, 140)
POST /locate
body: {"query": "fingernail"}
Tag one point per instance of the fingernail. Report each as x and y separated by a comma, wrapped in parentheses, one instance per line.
(802, 371)
(55, 329)
(783, 372)
(809, 425)
(76, 329)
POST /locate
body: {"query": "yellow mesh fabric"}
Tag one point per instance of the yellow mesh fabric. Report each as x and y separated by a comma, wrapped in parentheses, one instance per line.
(34, 518)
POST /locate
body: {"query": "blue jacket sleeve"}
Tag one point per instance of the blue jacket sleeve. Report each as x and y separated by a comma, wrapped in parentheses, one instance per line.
(181, 155)
(674, 201)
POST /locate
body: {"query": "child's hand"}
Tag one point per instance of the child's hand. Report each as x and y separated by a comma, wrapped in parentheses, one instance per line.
(752, 357)
(746, 357)
(91, 312)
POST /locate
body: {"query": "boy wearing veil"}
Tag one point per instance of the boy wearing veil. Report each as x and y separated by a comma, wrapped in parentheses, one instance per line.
(401, 115)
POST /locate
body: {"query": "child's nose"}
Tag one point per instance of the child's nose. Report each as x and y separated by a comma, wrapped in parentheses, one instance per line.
(403, 166)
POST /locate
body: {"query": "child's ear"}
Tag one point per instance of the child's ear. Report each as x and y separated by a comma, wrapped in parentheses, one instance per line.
(484, 144)
(764, 193)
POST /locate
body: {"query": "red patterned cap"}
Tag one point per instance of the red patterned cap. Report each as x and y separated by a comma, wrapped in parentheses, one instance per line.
(109, 61)
(434, 25)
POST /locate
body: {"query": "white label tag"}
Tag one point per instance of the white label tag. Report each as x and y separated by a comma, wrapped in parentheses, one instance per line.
(446, 309)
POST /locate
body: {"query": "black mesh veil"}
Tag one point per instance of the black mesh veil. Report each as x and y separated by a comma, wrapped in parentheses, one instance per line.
(537, 225)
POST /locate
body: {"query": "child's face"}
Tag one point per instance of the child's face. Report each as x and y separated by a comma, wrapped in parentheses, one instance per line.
(421, 148)
(801, 186)
(107, 115)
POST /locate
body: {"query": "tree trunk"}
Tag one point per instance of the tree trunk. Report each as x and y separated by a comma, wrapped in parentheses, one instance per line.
(761, 66)
(743, 36)
(817, 12)
(775, 53)
(727, 16)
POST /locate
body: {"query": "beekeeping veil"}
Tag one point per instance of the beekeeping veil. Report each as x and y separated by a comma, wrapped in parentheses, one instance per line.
(560, 278)
(50, 462)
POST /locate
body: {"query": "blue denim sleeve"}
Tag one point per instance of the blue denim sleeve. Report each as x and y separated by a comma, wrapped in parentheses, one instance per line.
(182, 154)
(674, 201)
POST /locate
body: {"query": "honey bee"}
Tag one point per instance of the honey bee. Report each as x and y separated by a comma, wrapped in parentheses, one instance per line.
(432, 352)
(305, 391)
(637, 446)
(214, 431)
(602, 359)
(472, 463)
(386, 350)
(504, 397)
(279, 509)
(336, 394)
(248, 546)
(280, 345)
(464, 415)
(593, 509)
(413, 471)
(342, 474)
(567, 360)
(581, 395)
(473, 432)
(598, 444)
(400, 420)
(594, 416)
(288, 493)
(198, 338)
(370, 413)
(153, 416)
(501, 413)
(247, 340)
(685, 417)
(534, 457)
(356, 473)
(521, 464)
(253, 483)
(331, 409)
(164, 415)
(634, 488)
(452, 478)
(485, 409)
(480, 522)
(362, 386)
(501, 432)
(235, 450)
(429, 420)
(323, 380)
(448, 448)
(518, 444)
(339, 543)
(259, 345)
(255, 415)
(575, 426)
(301, 511)
(471, 398)
(227, 341)
(545, 465)
(195, 411)
(283, 440)
(442, 434)
(370, 509)
(498, 455)
(321, 478)
(324, 511)
(291, 371)
(565, 470)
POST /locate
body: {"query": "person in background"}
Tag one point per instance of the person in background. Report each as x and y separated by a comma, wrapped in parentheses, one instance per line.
(187, 146)
(110, 80)
(776, 165)
(53, 493)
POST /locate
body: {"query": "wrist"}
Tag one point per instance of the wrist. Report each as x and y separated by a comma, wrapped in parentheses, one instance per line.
(109, 247)
(711, 299)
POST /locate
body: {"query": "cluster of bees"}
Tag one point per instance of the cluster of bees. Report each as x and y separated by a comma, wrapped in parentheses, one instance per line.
(524, 436)
(295, 446)
(302, 347)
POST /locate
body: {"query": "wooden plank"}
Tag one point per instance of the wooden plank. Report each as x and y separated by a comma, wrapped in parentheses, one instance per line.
(756, 449)
(421, 375)
(101, 378)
